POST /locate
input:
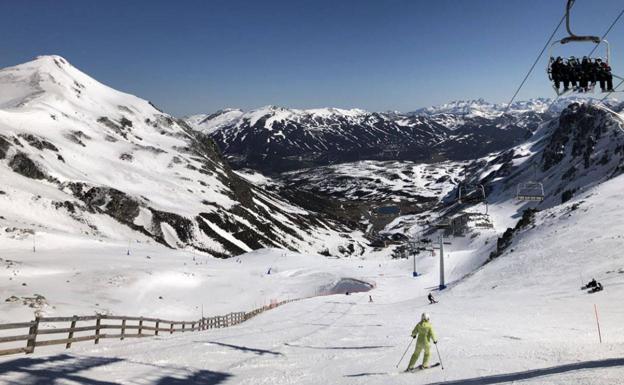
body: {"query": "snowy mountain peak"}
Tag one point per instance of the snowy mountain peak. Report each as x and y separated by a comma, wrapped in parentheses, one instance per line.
(53, 81)
(482, 108)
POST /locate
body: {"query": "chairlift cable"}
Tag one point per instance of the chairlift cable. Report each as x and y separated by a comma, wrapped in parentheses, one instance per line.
(608, 30)
(565, 16)
(612, 91)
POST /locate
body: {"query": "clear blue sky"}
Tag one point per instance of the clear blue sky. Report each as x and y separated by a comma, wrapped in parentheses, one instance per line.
(196, 56)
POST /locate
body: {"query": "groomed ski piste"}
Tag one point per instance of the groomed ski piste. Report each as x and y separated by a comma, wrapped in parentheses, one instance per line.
(521, 318)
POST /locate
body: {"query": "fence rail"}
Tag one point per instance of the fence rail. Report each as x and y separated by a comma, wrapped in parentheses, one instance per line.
(42, 332)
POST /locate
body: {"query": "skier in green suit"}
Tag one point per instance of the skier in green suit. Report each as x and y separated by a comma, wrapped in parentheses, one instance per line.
(424, 332)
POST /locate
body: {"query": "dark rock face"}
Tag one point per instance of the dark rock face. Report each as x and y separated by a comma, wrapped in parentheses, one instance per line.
(580, 127)
(113, 202)
(503, 242)
(23, 165)
(120, 129)
(4, 147)
(38, 143)
(182, 226)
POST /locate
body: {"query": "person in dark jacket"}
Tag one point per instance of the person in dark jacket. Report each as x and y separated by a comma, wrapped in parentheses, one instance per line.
(567, 75)
(604, 76)
(573, 72)
(557, 69)
(586, 73)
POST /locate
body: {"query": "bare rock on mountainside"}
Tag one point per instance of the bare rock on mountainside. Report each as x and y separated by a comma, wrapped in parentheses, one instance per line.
(175, 188)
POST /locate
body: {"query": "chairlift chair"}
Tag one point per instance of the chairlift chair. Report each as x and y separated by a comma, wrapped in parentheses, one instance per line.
(572, 38)
(530, 191)
(470, 193)
(443, 223)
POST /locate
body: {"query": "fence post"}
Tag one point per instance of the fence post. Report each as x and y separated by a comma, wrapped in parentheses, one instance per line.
(71, 333)
(123, 329)
(141, 326)
(98, 323)
(32, 339)
(171, 328)
(183, 324)
(193, 326)
(157, 325)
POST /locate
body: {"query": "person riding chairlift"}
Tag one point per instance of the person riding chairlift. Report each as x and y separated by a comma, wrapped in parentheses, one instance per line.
(604, 76)
(557, 69)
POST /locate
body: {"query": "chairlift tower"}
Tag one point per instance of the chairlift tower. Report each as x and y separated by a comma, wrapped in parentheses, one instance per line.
(413, 248)
(442, 285)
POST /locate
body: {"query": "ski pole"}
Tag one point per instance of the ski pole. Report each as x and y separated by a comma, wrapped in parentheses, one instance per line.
(405, 352)
(439, 358)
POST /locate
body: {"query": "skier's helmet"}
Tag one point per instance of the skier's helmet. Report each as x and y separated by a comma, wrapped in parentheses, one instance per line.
(425, 317)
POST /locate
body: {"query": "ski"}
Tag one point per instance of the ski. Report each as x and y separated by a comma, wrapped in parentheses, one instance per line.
(419, 368)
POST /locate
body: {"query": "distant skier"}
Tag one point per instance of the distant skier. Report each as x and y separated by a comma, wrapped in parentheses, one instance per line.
(424, 333)
(590, 284)
(269, 271)
(431, 299)
(370, 298)
(597, 288)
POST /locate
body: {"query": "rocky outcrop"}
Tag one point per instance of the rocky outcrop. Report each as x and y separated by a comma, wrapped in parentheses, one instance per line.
(23, 165)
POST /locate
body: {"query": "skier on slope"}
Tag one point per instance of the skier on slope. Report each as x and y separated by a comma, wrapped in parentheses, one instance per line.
(590, 284)
(424, 333)
(431, 299)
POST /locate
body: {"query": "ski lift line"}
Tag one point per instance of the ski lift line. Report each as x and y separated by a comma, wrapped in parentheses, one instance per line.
(608, 30)
(565, 16)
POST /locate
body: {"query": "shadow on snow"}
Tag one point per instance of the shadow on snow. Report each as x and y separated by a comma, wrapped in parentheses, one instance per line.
(340, 347)
(64, 368)
(244, 348)
(519, 376)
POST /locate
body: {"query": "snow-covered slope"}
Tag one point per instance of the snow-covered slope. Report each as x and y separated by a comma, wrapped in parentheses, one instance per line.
(78, 157)
(520, 318)
(210, 123)
(375, 181)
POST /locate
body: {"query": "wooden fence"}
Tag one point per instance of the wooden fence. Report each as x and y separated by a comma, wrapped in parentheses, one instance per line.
(41, 331)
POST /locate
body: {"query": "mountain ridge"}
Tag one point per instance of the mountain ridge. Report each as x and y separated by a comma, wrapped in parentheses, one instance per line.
(79, 157)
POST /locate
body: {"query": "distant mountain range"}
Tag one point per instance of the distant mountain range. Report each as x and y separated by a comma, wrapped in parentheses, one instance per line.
(275, 139)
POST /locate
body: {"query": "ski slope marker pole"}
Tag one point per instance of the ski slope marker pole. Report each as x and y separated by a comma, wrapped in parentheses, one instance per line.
(598, 323)
(439, 358)
(405, 352)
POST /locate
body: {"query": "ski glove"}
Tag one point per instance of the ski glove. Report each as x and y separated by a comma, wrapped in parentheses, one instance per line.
(435, 342)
